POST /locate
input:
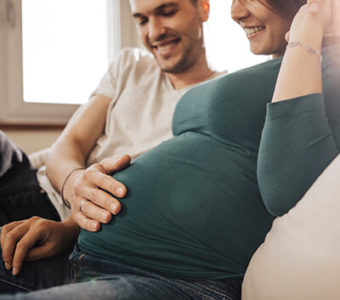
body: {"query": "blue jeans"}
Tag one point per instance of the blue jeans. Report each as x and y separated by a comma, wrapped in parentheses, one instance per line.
(95, 278)
(35, 275)
(20, 194)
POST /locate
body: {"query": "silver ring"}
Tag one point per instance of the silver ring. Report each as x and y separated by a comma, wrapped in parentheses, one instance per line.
(81, 204)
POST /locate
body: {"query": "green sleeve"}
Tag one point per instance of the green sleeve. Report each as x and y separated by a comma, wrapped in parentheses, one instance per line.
(301, 136)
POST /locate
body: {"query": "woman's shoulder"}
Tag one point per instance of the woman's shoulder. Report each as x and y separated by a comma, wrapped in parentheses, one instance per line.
(254, 78)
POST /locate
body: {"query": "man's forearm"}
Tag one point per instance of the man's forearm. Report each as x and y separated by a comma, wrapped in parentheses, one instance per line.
(77, 140)
(64, 158)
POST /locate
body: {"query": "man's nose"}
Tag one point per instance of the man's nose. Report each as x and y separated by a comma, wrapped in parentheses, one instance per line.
(156, 29)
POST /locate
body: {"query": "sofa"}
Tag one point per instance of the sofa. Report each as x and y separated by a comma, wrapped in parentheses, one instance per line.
(300, 257)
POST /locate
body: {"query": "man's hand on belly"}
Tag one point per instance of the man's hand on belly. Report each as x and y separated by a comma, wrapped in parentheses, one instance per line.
(88, 193)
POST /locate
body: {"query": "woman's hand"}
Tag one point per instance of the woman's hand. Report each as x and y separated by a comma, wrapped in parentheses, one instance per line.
(314, 19)
(88, 193)
(300, 72)
(35, 239)
(334, 28)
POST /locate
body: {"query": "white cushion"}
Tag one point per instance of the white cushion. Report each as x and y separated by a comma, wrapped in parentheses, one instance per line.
(38, 159)
(300, 257)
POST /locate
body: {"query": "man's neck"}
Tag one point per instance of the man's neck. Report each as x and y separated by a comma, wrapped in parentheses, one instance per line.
(193, 75)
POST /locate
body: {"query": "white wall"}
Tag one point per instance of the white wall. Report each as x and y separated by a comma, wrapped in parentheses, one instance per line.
(32, 139)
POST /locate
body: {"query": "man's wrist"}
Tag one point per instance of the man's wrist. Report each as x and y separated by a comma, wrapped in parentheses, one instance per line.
(67, 179)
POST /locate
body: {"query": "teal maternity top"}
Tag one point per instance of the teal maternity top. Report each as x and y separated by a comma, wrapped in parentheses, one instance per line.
(200, 203)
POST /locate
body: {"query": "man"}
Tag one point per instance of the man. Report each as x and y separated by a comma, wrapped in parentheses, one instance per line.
(172, 32)
(130, 112)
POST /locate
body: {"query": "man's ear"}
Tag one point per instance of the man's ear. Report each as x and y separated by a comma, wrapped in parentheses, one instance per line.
(204, 6)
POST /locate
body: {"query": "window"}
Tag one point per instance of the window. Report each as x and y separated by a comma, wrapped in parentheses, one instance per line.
(53, 54)
(65, 47)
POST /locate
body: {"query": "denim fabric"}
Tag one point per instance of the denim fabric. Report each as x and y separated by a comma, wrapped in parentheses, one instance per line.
(35, 275)
(20, 194)
(95, 278)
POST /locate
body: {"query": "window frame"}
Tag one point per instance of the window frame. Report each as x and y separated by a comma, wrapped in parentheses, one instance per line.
(14, 110)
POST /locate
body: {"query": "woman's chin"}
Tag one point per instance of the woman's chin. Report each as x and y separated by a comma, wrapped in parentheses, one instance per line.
(256, 50)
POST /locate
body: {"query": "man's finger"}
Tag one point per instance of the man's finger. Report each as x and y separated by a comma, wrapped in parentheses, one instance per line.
(111, 185)
(95, 177)
(101, 197)
(98, 193)
(100, 213)
(112, 166)
(86, 223)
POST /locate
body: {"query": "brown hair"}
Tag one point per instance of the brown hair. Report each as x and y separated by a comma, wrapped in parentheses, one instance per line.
(285, 8)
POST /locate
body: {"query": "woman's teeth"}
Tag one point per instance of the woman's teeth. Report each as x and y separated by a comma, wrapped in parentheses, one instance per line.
(252, 30)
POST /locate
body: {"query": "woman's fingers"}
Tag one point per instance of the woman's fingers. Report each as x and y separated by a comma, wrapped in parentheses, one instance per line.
(314, 6)
(35, 238)
(55, 238)
(11, 234)
(26, 243)
(324, 9)
(334, 29)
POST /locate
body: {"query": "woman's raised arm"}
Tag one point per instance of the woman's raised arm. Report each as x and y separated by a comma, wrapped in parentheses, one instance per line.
(299, 137)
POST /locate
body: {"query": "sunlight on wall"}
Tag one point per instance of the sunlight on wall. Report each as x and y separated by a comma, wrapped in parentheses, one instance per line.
(64, 49)
(226, 43)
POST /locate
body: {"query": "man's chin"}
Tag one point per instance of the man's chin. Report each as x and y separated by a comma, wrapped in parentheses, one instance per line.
(173, 67)
(173, 70)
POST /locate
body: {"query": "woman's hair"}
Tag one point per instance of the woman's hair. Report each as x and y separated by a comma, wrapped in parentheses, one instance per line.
(285, 8)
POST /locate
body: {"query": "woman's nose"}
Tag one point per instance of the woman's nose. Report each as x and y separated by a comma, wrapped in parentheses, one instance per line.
(239, 10)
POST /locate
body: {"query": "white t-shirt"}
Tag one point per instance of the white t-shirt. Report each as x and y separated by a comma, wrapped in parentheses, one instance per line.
(139, 116)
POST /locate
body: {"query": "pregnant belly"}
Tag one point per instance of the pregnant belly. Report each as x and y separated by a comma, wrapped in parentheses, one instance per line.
(188, 200)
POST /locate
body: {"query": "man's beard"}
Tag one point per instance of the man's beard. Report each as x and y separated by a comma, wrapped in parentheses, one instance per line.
(188, 58)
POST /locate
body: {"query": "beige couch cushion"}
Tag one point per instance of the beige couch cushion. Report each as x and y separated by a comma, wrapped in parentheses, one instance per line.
(300, 258)
(38, 159)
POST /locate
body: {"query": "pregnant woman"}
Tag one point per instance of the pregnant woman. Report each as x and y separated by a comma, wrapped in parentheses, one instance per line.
(246, 147)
